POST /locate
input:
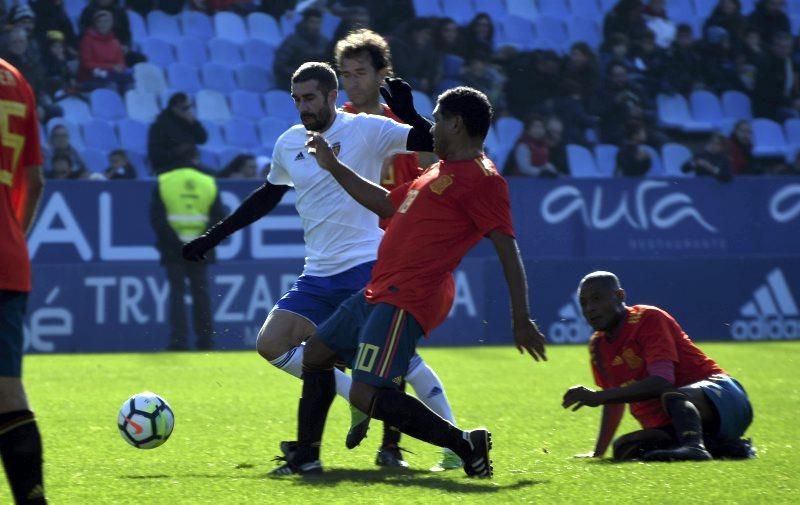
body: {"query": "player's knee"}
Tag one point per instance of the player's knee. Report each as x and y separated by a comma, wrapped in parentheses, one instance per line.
(268, 348)
(318, 356)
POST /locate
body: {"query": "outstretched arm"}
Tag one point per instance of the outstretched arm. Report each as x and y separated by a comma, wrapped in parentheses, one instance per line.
(609, 422)
(526, 334)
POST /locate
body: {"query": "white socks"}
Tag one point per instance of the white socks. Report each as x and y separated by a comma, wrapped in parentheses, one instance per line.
(291, 362)
(429, 388)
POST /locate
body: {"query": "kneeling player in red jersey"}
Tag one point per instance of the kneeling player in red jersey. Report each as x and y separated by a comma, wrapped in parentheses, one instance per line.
(689, 408)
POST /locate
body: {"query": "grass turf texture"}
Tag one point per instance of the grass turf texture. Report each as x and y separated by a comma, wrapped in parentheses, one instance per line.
(232, 409)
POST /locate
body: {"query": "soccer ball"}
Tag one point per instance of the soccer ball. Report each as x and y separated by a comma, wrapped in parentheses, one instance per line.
(145, 420)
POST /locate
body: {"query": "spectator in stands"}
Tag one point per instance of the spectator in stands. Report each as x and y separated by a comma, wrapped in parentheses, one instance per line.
(582, 68)
(657, 21)
(616, 49)
(711, 161)
(478, 73)
(740, 149)
(776, 81)
(415, 57)
(448, 38)
(649, 61)
(385, 15)
(60, 145)
(243, 166)
(102, 58)
(723, 74)
(51, 16)
(683, 68)
(520, 71)
(769, 19)
(176, 125)
(353, 18)
(728, 15)
(306, 44)
(211, 7)
(120, 26)
(62, 168)
(574, 113)
(59, 77)
(119, 166)
(557, 145)
(633, 160)
(546, 83)
(619, 101)
(626, 18)
(171, 7)
(479, 36)
(531, 154)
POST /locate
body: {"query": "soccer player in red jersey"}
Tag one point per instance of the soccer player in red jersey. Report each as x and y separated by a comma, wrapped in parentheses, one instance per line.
(21, 185)
(436, 219)
(364, 61)
(688, 406)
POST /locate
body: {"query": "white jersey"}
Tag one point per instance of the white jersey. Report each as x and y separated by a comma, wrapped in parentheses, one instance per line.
(339, 232)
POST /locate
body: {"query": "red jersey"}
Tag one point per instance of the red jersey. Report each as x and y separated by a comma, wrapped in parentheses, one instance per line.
(648, 334)
(440, 216)
(398, 169)
(19, 149)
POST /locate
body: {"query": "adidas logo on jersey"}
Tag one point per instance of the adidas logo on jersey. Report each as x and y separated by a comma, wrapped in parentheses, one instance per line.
(299, 156)
(571, 327)
(771, 313)
(434, 392)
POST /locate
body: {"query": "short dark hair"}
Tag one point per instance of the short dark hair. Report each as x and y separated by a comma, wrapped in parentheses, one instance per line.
(364, 41)
(177, 99)
(311, 13)
(319, 71)
(118, 152)
(608, 278)
(473, 107)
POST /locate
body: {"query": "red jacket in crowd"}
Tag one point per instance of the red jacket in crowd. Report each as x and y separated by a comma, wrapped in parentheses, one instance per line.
(99, 51)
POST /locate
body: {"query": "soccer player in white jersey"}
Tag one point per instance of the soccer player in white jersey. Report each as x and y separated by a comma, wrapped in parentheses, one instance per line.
(341, 237)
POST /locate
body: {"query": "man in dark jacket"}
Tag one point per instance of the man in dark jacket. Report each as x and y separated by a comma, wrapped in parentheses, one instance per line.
(183, 204)
(175, 126)
(775, 80)
(306, 44)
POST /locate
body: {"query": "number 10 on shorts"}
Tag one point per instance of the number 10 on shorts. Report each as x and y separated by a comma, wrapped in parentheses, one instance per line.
(366, 356)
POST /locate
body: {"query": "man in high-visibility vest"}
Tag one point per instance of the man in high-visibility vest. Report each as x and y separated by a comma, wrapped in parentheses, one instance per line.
(184, 202)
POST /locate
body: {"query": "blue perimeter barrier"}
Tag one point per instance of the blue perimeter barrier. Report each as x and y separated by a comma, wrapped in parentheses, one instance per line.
(723, 259)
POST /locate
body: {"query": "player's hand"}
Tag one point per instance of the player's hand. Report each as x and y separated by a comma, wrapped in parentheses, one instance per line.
(527, 337)
(397, 94)
(578, 396)
(319, 148)
(195, 250)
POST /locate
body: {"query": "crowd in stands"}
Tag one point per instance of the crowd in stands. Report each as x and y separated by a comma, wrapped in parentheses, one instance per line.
(585, 88)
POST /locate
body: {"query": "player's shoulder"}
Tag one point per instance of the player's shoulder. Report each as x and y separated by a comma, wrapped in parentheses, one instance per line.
(641, 312)
(364, 120)
(10, 77)
(293, 135)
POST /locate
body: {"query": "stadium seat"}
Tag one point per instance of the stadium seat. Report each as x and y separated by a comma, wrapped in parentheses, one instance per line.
(227, 155)
(525, 9)
(704, 8)
(162, 26)
(183, 77)
(423, 103)
(192, 51)
(496, 9)
(230, 26)
(452, 65)
(218, 77)
(792, 129)
(606, 157)
(517, 32)
(491, 142)
(215, 141)
(212, 106)
(428, 8)
(736, 105)
(141, 105)
(148, 77)
(793, 7)
(106, 104)
(589, 9)
(460, 11)
(138, 26)
(607, 5)
(224, 52)
(674, 156)
(95, 160)
(329, 24)
(581, 29)
(75, 133)
(139, 161)
(133, 135)
(288, 21)
(706, 108)
(508, 130)
(196, 24)
(581, 162)
(247, 105)
(341, 98)
(76, 110)
(552, 29)
(241, 133)
(158, 51)
(446, 84)
(557, 8)
(656, 166)
(209, 159)
(768, 139)
(264, 27)
(253, 78)
(99, 134)
(680, 11)
(259, 53)
(673, 112)
(279, 104)
(269, 129)
(748, 6)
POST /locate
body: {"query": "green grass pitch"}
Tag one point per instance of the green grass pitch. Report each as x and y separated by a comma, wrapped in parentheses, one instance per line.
(232, 409)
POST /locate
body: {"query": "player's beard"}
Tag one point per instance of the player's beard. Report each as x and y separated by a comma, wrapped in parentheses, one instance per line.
(321, 118)
(440, 147)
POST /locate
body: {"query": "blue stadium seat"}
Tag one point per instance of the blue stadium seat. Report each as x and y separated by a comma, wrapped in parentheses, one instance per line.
(183, 77)
(148, 77)
(264, 27)
(460, 11)
(227, 155)
(508, 130)
(341, 98)
(279, 104)
(607, 5)
(446, 84)
(589, 9)
(706, 108)
(793, 7)
(218, 77)
(76, 110)
(768, 139)
(75, 133)
(423, 103)
(192, 51)
(215, 141)
(106, 104)
(158, 51)
(269, 129)
(230, 26)
(259, 53)
(704, 8)
(196, 24)
(133, 135)
(674, 156)
(138, 26)
(288, 21)
(224, 52)
(517, 32)
(241, 133)
(209, 159)
(552, 29)
(581, 29)
(212, 106)
(247, 105)
(496, 9)
(99, 134)
(452, 65)
(525, 9)
(96, 160)
(428, 8)
(680, 11)
(606, 157)
(656, 166)
(491, 143)
(329, 24)
(581, 162)
(556, 8)
(139, 161)
(736, 105)
(748, 6)
(673, 112)
(792, 129)
(141, 105)
(253, 78)
(162, 26)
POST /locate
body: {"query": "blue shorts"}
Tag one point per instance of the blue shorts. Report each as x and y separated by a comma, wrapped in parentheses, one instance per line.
(732, 404)
(316, 298)
(12, 313)
(377, 340)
